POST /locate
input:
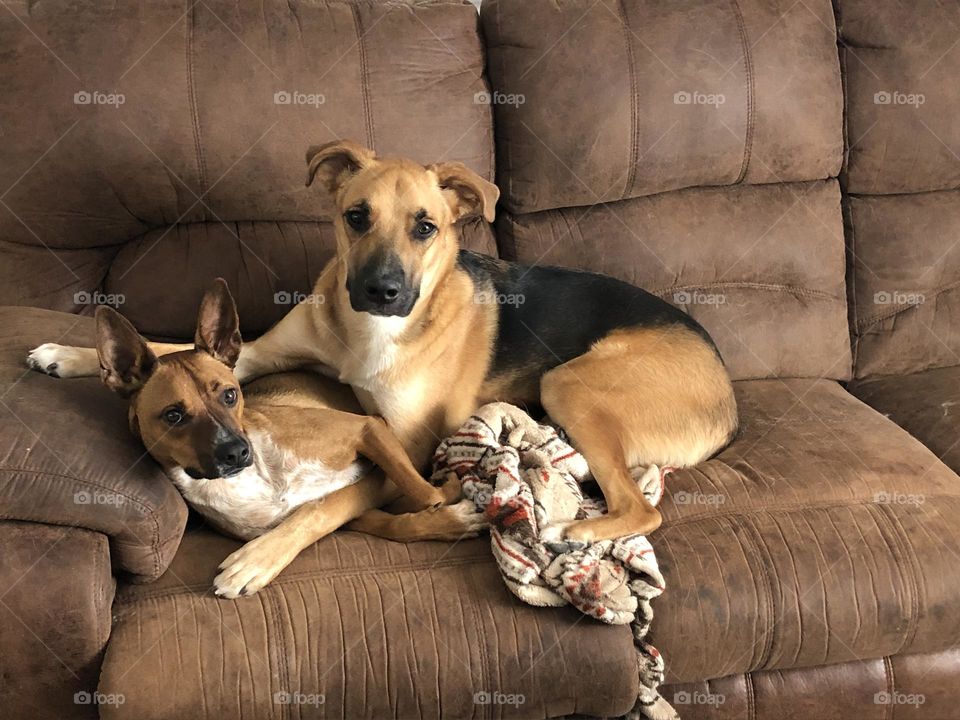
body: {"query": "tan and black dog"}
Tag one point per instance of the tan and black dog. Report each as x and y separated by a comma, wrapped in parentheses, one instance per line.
(281, 463)
(408, 323)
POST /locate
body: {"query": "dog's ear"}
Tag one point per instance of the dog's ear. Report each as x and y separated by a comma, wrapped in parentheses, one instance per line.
(335, 161)
(126, 362)
(218, 325)
(468, 194)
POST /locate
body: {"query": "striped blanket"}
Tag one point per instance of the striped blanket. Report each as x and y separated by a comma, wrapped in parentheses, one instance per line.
(527, 481)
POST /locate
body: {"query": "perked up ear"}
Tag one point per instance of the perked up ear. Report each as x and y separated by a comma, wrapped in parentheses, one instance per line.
(335, 161)
(218, 325)
(468, 194)
(126, 362)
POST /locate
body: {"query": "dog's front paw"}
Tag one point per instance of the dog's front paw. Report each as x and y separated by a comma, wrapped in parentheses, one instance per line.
(251, 568)
(64, 361)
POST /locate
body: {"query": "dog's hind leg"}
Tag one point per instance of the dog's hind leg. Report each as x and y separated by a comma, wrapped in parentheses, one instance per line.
(639, 397)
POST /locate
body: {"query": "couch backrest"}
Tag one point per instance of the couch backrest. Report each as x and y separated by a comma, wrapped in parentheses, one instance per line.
(690, 147)
(149, 147)
(902, 179)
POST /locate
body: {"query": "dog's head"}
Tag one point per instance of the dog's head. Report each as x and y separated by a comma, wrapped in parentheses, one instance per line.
(395, 221)
(186, 407)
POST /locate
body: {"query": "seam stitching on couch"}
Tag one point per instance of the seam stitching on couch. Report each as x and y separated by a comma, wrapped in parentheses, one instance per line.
(283, 670)
(192, 97)
(634, 120)
(364, 78)
(330, 574)
(751, 89)
(772, 287)
(786, 507)
(752, 533)
(891, 683)
(937, 292)
(912, 568)
(485, 671)
(751, 701)
(149, 514)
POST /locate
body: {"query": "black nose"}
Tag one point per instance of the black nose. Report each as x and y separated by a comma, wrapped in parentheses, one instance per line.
(382, 289)
(233, 453)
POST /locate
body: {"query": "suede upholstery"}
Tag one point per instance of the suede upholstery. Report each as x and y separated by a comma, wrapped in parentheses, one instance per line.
(730, 157)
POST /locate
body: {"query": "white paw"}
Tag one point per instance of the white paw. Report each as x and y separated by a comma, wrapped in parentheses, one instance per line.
(64, 361)
(553, 533)
(474, 522)
(250, 569)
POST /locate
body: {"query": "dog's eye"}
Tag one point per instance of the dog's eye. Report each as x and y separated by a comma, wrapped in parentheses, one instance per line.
(173, 416)
(357, 219)
(229, 397)
(424, 230)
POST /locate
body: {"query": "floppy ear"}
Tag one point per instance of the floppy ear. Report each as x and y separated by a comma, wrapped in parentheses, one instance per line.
(468, 194)
(125, 360)
(335, 161)
(218, 325)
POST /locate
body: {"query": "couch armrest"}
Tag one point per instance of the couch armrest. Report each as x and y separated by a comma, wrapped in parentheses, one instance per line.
(67, 456)
(56, 595)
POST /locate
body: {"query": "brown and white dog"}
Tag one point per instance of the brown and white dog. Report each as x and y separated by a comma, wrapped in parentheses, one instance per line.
(258, 463)
(407, 324)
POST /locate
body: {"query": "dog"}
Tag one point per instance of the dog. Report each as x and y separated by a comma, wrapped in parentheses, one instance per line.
(281, 464)
(632, 379)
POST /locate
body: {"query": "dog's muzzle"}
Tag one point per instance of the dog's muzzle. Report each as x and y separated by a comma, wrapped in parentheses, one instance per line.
(380, 287)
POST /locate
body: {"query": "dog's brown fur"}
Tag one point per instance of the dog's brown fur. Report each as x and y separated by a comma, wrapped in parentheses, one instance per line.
(650, 392)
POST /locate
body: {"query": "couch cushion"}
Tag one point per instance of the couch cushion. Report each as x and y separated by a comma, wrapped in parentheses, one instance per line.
(823, 534)
(67, 456)
(761, 267)
(904, 281)
(55, 605)
(125, 121)
(900, 63)
(925, 404)
(365, 628)
(609, 100)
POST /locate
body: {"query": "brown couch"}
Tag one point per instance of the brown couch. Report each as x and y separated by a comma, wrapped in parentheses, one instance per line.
(787, 172)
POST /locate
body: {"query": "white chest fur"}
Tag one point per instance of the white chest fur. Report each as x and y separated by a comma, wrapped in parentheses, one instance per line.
(258, 498)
